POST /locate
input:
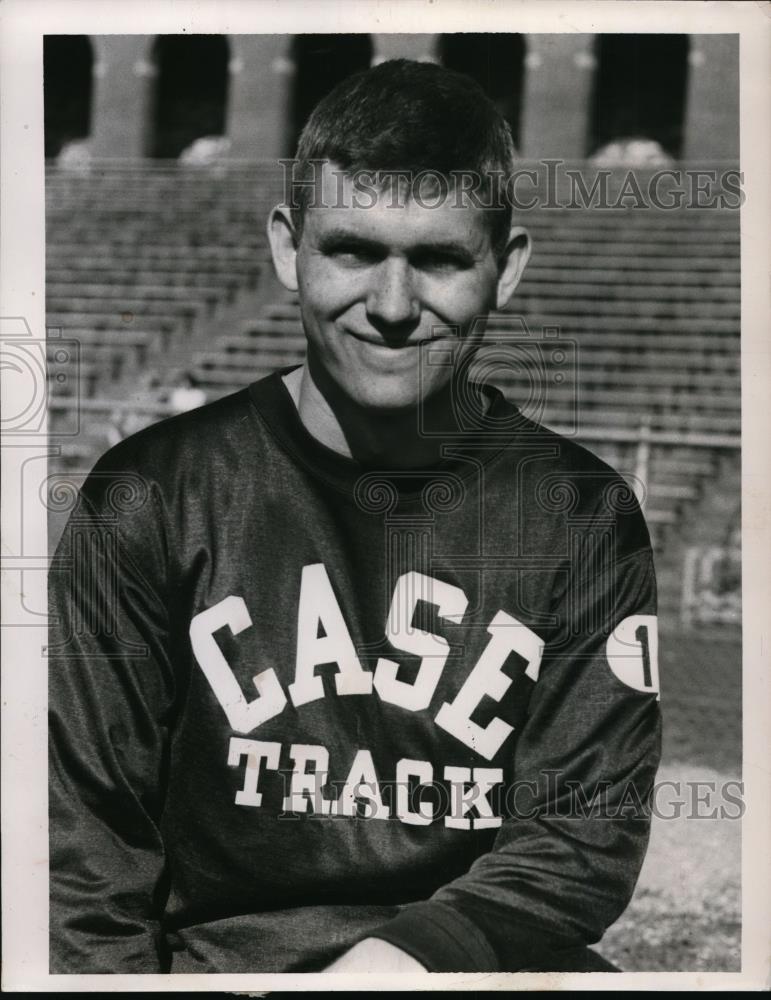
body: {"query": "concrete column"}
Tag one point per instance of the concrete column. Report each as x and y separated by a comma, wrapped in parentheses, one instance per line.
(712, 100)
(424, 47)
(122, 99)
(261, 74)
(559, 75)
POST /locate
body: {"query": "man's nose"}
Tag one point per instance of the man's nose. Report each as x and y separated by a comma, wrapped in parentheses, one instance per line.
(392, 298)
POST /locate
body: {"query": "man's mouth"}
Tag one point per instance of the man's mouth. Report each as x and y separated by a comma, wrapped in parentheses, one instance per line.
(396, 345)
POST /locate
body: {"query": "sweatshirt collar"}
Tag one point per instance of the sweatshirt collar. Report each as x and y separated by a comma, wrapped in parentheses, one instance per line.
(274, 404)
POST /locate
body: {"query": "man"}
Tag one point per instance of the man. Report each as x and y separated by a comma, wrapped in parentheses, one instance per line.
(356, 669)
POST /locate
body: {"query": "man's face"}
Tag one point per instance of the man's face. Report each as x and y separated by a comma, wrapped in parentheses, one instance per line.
(378, 284)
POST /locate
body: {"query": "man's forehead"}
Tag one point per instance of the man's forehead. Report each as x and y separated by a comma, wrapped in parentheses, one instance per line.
(387, 205)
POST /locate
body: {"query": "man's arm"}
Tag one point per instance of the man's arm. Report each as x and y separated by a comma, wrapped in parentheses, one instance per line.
(559, 874)
(110, 691)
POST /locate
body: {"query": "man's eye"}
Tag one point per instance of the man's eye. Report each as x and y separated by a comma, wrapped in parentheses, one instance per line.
(441, 262)
(354, 255)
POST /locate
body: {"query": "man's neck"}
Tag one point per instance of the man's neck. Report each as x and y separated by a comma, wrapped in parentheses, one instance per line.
(391, 439)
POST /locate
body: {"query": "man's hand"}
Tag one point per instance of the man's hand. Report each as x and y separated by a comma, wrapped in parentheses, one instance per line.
(374, 955)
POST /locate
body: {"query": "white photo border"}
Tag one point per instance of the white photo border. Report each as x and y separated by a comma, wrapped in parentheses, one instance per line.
(22, 306)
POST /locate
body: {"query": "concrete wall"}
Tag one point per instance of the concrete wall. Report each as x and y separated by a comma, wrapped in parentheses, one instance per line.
(556, 103)
(558, 83)
(260, 89)
(124, 78)
(712, 99)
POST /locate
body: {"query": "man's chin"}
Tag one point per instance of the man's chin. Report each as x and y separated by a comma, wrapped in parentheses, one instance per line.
(394, 395)
(376, 391)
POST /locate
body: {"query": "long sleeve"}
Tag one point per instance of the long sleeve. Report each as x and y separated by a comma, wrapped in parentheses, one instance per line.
(568, 854)
(110, 694)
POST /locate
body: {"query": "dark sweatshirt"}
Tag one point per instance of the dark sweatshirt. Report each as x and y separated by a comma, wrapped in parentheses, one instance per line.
(295, 702)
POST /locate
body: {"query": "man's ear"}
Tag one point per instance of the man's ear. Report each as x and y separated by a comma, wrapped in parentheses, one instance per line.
(283, 246)
(512, 264)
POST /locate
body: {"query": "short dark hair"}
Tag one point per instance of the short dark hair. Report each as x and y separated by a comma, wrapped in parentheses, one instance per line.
(406, 116)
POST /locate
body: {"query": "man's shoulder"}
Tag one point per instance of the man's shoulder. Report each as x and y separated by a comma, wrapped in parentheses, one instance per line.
(577, 463)
(563, 457)
(181, 456)
(559, 479)
(523, 435)
(170, 471)
(193, 435)
(582, 483)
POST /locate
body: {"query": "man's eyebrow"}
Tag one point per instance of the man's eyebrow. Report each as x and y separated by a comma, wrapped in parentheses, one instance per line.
(335, 237)
(453, 248)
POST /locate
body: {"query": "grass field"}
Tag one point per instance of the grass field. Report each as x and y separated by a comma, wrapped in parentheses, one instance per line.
(686, 912)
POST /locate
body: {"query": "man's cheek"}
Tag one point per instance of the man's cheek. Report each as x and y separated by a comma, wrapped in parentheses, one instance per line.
(319, 304)
(456, 303)
(332, 291)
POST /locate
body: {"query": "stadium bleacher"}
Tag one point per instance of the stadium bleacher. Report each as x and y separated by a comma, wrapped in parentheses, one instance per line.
(632, 317)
